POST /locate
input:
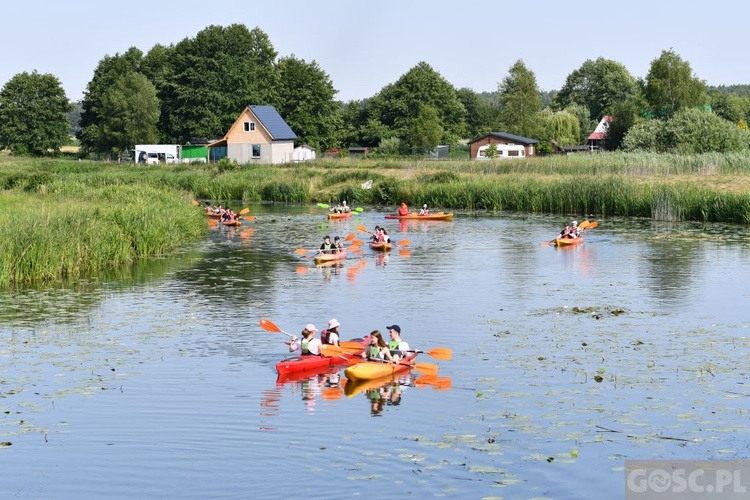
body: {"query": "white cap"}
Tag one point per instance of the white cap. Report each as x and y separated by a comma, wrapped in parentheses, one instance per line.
(334, 323)
(310, 327)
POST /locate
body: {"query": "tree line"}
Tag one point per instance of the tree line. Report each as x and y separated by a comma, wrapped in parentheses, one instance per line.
(194, 90)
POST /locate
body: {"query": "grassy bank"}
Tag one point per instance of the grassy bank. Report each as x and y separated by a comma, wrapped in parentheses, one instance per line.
(66, 219)
(68, 231)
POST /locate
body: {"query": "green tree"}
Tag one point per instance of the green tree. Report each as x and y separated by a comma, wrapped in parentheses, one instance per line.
(696, 131)
(352, 117)
(211, 78)
(426, 131)
(33, 114)
(670, 86)
(307, 104)
(480, 115)
(129, 114)
(107, 72)
(520, 102)
(597, 85)
(648, 135)
(491, 151)
(728, 106)
(562, 126)
(624, 115)
(585, 124)
(397, 105)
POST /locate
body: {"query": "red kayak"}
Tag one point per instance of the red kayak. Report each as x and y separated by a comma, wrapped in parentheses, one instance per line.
(312, 363)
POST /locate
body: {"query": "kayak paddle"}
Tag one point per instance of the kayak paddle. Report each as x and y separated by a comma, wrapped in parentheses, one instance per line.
(442, 353)
(270, 326)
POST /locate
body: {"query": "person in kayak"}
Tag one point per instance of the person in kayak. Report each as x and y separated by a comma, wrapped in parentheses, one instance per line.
(374, 237)
(384, 235)
(378, 348)
(327, 246)
(425, 210)
(331, 336)
(403, 210)
(337, 245)
(397, 346)
(309, 345)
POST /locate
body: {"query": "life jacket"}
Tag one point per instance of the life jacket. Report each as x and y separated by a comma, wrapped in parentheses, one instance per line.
(326, 247)
(393, 344)
(374, 352)
(325, 336)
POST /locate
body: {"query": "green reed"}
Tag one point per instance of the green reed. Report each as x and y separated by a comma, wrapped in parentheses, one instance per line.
(70, 231)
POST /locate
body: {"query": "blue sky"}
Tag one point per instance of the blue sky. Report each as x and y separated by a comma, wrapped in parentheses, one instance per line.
(364, 46)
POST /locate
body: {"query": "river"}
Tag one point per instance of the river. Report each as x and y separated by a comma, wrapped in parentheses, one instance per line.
(157, 381)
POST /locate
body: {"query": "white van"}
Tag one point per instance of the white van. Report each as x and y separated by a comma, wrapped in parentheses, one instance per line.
(154, 154)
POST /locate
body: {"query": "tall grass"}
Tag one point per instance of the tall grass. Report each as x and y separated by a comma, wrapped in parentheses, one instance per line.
(69, 231)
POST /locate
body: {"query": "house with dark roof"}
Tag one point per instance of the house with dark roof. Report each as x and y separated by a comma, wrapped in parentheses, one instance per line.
(506, 145)
(259, 135)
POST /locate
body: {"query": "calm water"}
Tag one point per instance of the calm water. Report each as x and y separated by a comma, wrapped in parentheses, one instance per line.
(158, 382)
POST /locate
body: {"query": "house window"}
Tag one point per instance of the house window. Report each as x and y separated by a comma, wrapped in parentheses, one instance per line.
(512, 153)
(482, 152)
(256, 150)
(249, 126)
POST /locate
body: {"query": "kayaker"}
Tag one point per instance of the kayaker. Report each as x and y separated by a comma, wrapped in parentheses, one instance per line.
(309, 345)
(327, 246)
(384, 235)
(403, 210)
(397, 346)
(337, 245)
(425, 210)
(574, 230)
(331, 336)
(378, 348)
(376, 234)
(344, 207)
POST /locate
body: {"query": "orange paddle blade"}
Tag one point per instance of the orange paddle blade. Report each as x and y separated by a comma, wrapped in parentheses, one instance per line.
(362, 228)
(301, 270)
(404, 243)
(426, 368)
(352, 347)
(195, 203)
(244, 211)
(331, 351)
(350, 236)
(249, 217)
(300, 251)
(269, 326)
(357, 242)
(404, 252)
(592, 225)
(440, 353)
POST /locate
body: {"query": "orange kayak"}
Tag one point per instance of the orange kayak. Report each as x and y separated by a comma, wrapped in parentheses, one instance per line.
(342, 215)
(231, 223)
(330, 257)
(568, 242)
(435, 216)
(381, 246)
(371, 370)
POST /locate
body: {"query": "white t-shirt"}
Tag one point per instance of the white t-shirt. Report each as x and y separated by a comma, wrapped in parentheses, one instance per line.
(313, 346)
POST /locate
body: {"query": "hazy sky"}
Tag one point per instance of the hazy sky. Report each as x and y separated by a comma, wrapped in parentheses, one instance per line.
(364, 46)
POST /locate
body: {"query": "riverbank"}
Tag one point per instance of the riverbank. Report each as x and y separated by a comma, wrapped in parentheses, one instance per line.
(63, 219)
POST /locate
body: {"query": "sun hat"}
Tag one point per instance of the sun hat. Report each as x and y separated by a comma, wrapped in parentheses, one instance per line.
(310, 327)
(394, 327)
(334, 323)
